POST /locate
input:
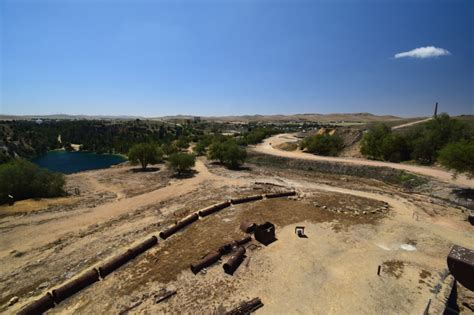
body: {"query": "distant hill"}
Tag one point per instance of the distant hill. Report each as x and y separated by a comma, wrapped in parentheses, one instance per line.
(336, 117)
(68, 117)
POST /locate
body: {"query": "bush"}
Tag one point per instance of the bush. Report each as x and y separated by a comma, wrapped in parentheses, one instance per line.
(181, 162)
(182, 144)
(227, 152)
(168, 148)
(145, 153)
(431, 137)
(200, 148)
(23, 179)
(323, 144)
(372, 142)
(459, 157)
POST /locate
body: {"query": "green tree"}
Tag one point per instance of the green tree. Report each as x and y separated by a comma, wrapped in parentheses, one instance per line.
(23, 179)
(458, 156)
(181, 162)
(145, 153)
(430, 138)
(182, 144)
(227, 152)
(323, 144)
(372, 142)
(169, 148)
(200, 148)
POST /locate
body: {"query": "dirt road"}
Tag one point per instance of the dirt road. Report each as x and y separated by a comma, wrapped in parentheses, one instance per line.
(268, 147)
(412, 123)
(59, 223)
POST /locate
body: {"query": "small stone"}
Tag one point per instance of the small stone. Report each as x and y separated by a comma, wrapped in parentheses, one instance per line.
(13, 300)
(43, 285)
(17, 254)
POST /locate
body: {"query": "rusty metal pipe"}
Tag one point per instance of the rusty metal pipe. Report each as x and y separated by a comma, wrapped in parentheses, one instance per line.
(281, 194)
(246, 199)
(179, 225)
(214, 208)
(244, 240)
(76, 285)
(39, 306)
(144, 246)
(234, 261)
(208, 260)
(227, 248)
(115, 263)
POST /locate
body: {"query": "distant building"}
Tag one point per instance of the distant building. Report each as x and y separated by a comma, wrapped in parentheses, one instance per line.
(197, 119)
(38, 121)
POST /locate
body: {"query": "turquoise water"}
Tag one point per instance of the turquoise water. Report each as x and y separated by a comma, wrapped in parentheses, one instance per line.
(72, 162)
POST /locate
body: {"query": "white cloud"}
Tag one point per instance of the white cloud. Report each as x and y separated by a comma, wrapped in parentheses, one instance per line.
(424, 52)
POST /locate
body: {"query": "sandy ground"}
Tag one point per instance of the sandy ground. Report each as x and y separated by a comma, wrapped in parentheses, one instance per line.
(269, 147)
(353, 226)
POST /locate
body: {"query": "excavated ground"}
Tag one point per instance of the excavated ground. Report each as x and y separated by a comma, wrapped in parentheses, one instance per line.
(353, 226)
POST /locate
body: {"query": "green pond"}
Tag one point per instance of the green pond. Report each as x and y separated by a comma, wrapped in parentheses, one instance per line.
(72, 162)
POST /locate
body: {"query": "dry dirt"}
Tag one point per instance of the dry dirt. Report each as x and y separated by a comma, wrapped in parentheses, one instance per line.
(352, 225)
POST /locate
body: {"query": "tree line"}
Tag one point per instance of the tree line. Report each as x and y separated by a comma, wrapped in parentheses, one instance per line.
(443, 139)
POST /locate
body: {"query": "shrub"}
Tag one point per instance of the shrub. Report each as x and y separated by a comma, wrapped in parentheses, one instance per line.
(372, 142)
(323, 144)
(256, 135)
(23, 179)
(200, 148)
(169, 148)
(181, 162)
(182, 144)
(431, 137)
(459, 157)
(145, 153)
(227, 152)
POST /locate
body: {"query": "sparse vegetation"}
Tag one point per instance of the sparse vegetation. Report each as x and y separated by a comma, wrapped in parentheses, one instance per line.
(23, 179)
(329, 145)
(144, 154)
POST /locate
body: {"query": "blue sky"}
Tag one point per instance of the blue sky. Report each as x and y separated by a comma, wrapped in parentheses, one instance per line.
(155, 58)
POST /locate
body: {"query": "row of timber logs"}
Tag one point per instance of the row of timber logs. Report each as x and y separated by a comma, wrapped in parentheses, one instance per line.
(75, 285)
(122, 259)
(70, 288)
(39, 306)
(179, 225)
(281, 194)
(214, 208)
(246, 199)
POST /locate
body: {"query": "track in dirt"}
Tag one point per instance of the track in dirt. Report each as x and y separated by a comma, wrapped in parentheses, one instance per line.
(267, 147)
